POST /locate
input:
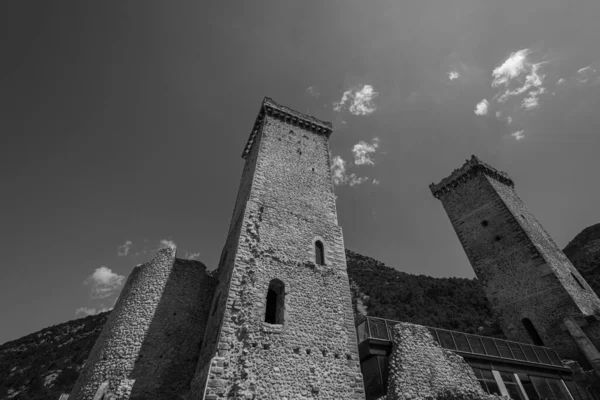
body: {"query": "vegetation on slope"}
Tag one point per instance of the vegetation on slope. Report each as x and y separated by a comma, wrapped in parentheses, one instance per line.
(45, 364)
(450, 303)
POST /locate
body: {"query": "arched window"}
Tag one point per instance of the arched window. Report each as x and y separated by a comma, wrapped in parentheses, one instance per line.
(532, 332)
(319, 253)
(275, 302)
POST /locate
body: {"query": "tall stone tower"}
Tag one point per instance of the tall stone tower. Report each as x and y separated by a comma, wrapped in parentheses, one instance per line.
(281, 323)
(540, 297)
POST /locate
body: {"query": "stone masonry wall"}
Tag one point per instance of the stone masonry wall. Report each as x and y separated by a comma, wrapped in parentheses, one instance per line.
(313, 354)
(150, 344)
(522, 271)
(420, 369)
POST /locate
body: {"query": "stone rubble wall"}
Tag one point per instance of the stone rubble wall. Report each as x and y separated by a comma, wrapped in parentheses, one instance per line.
(150, 344)
(420, 369)
(313, 354)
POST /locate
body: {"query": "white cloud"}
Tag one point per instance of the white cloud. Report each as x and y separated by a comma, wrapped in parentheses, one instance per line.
(532, 100)
(376, 182)
(104, 283)
(452, 75)
(354, 180)
(123, 250)
(518, 135)
(340, 175)
(85, 311)
(363, 151)
(311, 90)
(167, 243)
(512, 67)
(482, 107)
(338, 171)
(560, 81)
(584, 74)
(191, 256)
(359, 99)
(508, 120)
(498, 114)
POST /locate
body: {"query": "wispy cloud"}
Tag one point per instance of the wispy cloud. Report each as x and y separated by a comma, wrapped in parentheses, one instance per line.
(104, 283)
(123, 250)
(86, 311)
(311, 90)
(363, 152)
(340, 175)
(358, 100)
(191, 256)
(482, 107)
(519, 76)
(518, 134)
(452, 75)
(167, 243)
(376, 182)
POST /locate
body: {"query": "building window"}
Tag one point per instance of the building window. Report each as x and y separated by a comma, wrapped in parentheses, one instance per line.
(275, 302)
(511, 385)
(319, 253)
(577, 280)
(487, 381)
(532, 332)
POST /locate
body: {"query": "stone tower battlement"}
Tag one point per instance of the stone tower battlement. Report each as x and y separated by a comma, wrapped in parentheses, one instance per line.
(527, 278)
(469, 169)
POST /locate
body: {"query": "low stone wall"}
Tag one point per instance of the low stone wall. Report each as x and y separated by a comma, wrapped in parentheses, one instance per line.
(420, 369)
(151, 341)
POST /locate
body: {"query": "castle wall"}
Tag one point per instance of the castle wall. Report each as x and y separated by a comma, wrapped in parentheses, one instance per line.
(523, 272)
(420, 369)
(150, 344)
(314, 352)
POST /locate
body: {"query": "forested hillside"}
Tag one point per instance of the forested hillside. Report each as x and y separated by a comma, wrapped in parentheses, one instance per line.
(45, 364)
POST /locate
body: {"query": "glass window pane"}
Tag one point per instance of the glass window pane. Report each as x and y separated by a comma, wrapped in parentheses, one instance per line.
(446, 339)
(461, 342)
(507, 377)
(503, 348)
(513, 391)
(557, 388)
(477, 373)
(529, 354)
(574, 391)
(483, 386)
(476, 344)
(517, 352)
(434, 335)
(554, 359)
(490, 346)
(542, 387)
(487, 374)
(528, 387)
(541, 355)
(493, 388)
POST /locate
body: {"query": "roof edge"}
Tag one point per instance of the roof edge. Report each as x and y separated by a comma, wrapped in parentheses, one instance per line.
(469, 168)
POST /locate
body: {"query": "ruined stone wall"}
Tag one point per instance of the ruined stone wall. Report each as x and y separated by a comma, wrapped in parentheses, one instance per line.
(523, 273)
(150, 344)
(420, 369)
(313, 354)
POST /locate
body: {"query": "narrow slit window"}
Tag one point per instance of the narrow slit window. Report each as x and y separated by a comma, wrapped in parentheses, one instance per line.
(319, 253)
(578, 281)
(532, 332)
(275, 302)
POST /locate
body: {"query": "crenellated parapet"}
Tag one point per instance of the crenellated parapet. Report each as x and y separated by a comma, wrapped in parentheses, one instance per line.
(470, 169)
(292, 117)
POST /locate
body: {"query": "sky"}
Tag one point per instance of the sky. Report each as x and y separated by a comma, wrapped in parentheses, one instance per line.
(123, 125)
